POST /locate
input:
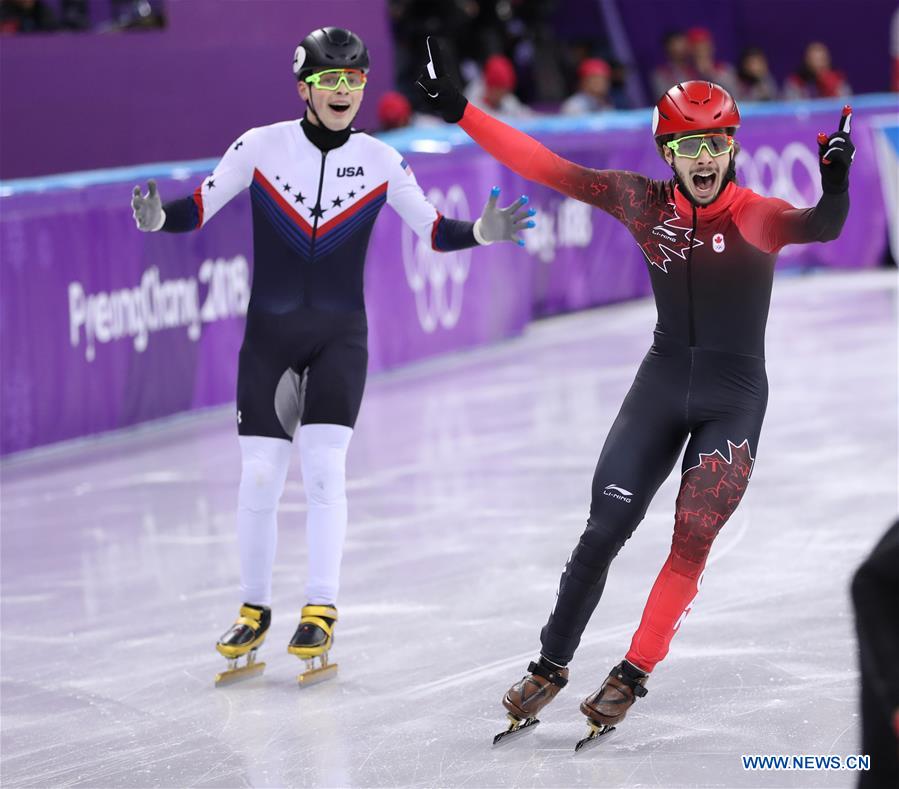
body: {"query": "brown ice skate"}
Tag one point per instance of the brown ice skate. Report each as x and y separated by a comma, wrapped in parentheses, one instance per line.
(610, 703)
(530, 695)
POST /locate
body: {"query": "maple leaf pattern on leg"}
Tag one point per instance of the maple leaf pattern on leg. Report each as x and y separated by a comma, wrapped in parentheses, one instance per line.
(709, 494)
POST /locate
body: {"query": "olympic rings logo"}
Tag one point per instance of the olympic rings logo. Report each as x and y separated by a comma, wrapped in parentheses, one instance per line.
(437, 278)
(790, 174)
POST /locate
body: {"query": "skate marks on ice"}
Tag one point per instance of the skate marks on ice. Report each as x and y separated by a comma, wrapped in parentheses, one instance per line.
(435, 631)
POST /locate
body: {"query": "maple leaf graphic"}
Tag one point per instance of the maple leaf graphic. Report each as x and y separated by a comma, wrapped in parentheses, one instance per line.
(670, 239)
(709, 493)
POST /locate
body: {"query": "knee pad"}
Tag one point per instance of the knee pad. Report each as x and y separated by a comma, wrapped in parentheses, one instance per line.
(263, 472)
(323, 451)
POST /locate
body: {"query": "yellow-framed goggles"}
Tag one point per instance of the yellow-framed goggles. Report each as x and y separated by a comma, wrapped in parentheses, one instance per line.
(330, 79)
(691, 146)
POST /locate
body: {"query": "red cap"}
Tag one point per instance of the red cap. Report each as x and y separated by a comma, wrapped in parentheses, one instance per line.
(697, 35)
(694, 106)
(499, 73)
(592, 66)
(394, 110)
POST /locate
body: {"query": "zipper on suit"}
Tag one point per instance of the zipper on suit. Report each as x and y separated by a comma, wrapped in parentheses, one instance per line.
(690, 318)
(318, 205)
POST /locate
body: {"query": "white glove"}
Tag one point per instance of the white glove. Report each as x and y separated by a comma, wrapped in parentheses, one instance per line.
(148, 213)
(502, 224)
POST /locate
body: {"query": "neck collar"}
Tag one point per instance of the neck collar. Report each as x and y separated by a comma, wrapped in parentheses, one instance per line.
(718, 206)
(324, 138)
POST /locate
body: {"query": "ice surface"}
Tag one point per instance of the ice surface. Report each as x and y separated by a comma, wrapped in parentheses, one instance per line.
(469, 481)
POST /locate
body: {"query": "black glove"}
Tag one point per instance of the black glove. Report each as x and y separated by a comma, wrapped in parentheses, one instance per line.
(835, 154)
(443, 94)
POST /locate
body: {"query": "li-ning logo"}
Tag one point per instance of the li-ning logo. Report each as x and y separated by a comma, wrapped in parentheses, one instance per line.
(617, 493)
(675, 243)
(663, 232)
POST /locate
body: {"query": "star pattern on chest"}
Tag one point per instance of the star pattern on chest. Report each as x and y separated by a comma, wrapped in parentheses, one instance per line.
(286, 187)
(351, 194)
(316, 212)
(336, 202)
(299, 198)
(210, 183)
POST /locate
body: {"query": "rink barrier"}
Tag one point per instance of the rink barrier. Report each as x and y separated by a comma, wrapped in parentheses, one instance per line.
(102, 327)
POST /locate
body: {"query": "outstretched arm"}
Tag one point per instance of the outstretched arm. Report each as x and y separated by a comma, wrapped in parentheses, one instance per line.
(606, 189)
(232, 175)
(771, 223)
(446, 234)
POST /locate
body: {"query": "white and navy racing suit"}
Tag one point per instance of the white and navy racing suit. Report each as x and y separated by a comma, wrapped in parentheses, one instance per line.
(315, 195)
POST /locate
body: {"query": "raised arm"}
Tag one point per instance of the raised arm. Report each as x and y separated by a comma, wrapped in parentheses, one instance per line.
(606, 189)
(771, 223)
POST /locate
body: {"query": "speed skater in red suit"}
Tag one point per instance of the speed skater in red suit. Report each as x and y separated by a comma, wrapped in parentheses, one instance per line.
(710, 248)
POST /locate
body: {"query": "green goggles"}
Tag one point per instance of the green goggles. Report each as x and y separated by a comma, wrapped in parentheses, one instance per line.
(690, 147)
(354, 79)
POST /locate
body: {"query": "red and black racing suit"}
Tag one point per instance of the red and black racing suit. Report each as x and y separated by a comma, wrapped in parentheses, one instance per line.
(703, 380)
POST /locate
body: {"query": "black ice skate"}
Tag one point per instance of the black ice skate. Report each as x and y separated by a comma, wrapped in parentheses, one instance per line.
(242, 640)
(312, 640)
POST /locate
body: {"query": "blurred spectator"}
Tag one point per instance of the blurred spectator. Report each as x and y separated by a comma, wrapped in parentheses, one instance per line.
(815, 77)
(136, 15)
(394, 111)
(754, 81)
(619, 94)
(493, 90)
(592, 95)
(26, 16)
(702, 51)
(677, 67)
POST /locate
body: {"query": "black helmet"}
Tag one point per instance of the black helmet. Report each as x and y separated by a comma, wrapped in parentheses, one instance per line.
(329, 47)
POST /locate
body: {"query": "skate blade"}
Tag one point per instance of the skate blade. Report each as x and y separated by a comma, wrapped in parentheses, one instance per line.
(517, 727)
(238, 674)
(316, 675)
(596, 732)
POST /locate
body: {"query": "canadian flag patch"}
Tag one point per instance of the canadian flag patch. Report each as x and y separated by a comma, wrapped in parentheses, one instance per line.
(718, 242)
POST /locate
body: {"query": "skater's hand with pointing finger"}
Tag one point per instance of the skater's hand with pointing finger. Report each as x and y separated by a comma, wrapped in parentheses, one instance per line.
(148, 213)
(440, 89)
(503, 224)
(835, 154)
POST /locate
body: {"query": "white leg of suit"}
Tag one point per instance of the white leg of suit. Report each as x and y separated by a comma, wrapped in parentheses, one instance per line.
(263, 473)
(323, 451)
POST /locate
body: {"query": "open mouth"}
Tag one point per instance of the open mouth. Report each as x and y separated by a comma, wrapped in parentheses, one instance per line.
(704, 182)
(339, 107)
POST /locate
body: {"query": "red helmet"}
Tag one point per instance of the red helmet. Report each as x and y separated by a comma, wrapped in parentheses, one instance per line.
(694, 106)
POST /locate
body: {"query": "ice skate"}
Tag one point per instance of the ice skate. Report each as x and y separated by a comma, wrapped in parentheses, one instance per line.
(312, 641)
(242, 640)
(609, 705)
(530, 695)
